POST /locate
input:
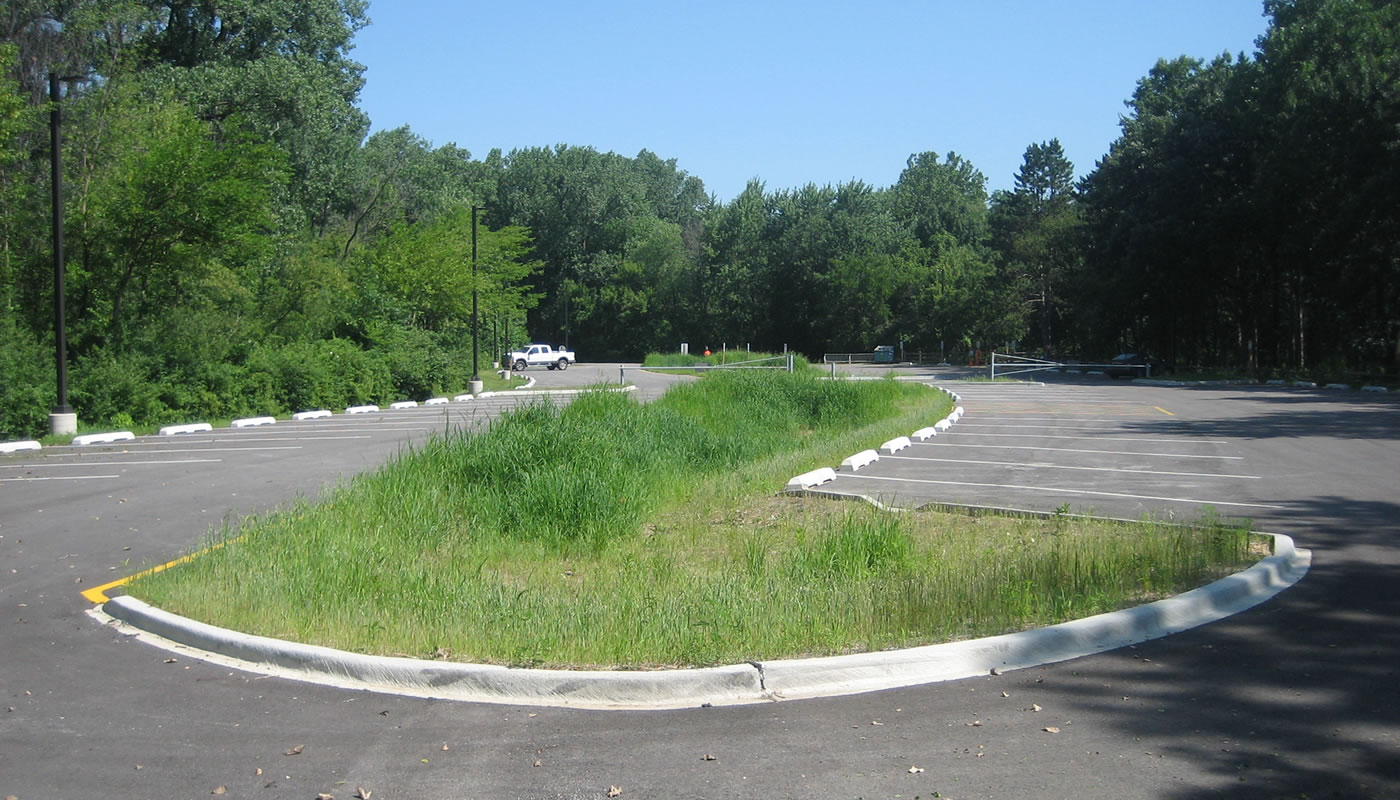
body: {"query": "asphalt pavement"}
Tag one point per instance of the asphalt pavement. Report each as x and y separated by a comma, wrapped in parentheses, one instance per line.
(1295, 698)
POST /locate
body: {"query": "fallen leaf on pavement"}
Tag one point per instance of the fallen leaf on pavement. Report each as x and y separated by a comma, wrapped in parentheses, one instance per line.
(295, 751)
(915, 770)
(1050, 729)
(708, 757)
(613, 791)
(362, 793)
(220, 790)
(1034, 707)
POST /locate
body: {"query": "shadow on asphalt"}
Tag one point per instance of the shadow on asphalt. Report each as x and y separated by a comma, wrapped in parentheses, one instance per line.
(1296, 417)
(1296, 698)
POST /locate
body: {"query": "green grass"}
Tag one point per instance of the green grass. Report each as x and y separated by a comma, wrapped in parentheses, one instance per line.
(723, 358)
(609, 533)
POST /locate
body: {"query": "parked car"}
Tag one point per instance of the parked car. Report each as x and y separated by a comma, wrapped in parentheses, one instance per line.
(540, 355)
(1135, 365)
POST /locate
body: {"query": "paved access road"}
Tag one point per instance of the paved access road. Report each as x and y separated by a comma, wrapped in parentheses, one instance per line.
(1295, 698)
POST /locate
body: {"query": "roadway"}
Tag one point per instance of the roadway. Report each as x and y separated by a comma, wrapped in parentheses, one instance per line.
(1294, 698)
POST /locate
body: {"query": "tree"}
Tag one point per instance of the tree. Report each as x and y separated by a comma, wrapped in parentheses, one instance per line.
(422, 275)
(15, 115)
(1036, 229)
(169, 210)
(1329, 83)
(935, 198)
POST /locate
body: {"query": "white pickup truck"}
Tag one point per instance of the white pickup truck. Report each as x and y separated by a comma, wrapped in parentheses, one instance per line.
(540, 355)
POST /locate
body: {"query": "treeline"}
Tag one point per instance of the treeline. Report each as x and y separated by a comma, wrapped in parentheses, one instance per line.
(1250, 212)
(237, 243)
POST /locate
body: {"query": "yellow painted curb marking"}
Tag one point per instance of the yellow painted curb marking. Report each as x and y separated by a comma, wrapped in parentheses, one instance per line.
(98, 594)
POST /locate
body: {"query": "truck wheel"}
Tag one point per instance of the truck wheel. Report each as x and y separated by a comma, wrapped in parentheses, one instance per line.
(563, 364)
(520, 365)
(549, 367)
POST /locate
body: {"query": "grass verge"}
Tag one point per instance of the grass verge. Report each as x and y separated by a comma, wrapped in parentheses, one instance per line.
(612, 534)
(704, 364)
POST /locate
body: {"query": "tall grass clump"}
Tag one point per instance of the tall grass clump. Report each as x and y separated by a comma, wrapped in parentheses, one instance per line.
(594, 469)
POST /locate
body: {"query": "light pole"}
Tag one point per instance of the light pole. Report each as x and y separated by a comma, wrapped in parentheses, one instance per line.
(476, 383)
(62, 420)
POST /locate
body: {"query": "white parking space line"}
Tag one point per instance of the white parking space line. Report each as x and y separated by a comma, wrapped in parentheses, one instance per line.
(1073, 450)
(1053, 399)
(1096, 428)
(1052, 489)
(113, 463)
(1084, 438)
(174, 440)
(1039, 465)
(297, 438)
(188, 450)
(59, 478)
(984, 417)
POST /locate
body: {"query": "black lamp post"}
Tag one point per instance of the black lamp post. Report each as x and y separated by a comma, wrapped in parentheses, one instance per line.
(62, 420)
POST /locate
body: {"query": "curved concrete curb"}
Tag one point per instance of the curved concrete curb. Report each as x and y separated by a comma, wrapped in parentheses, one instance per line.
(868, 672)
(480, 682)
(739, 683)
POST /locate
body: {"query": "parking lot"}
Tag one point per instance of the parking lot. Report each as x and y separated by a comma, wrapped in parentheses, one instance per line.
(1109, 450)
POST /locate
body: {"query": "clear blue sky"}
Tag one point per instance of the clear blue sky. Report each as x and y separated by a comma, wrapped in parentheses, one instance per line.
(786, 92)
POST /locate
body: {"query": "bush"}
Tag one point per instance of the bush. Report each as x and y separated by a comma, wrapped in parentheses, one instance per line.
(103, 385)
(322, 374)
(28, 383)
(421, 364)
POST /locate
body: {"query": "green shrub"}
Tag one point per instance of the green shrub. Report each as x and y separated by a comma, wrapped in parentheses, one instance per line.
(28, 383)
(322, 374)
(104, 384)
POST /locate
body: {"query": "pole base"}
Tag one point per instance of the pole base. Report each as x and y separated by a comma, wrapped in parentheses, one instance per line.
(63, 424)
(476, 386)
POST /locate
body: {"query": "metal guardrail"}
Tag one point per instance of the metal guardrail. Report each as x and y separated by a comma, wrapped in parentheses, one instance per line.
(849, 358)
(1022, 364)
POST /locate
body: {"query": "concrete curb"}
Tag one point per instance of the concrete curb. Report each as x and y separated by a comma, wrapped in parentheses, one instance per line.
(15, 447)
(103, 438)
(728, 685)
(320, 413)
(866, 672)
(193, 427)
(478, 682)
